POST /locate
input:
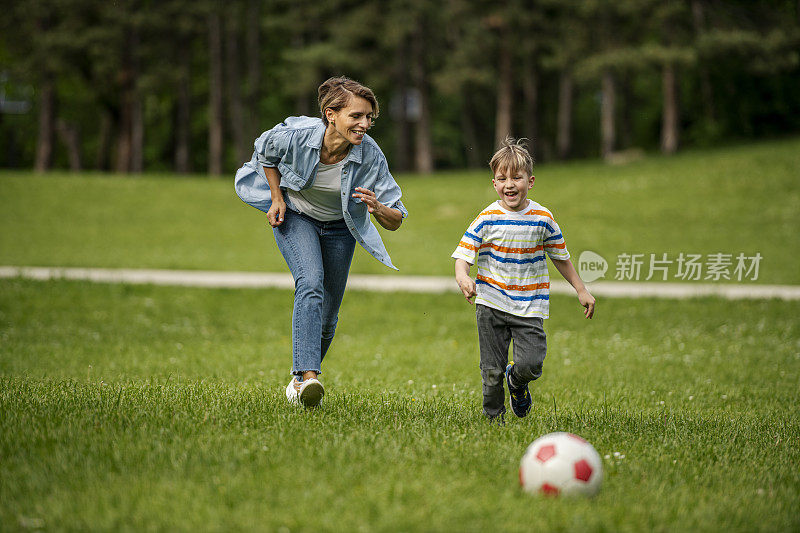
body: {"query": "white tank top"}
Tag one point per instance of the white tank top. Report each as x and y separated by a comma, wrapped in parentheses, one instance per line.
(323, 199)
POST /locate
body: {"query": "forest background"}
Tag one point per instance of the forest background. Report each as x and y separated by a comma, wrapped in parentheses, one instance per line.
(135, 86)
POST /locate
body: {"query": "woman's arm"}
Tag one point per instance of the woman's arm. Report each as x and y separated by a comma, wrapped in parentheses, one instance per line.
(388, 217)
(278, 207)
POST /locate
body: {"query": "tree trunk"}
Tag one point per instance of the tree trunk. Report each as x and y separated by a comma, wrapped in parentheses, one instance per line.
(505, 95)
(565, 95)
(71, 138)
(215, 95)
(137, 111)
(402, 156)
(122, 163)
(127, 103)
(706, 90)
(669, 123)
(530, 92)
(104, 142)
(475, 156)
(137, 134)
(253, 37)
(302, 105)
(608, 115)
(423, 156)
(233, 85)
(47, 116)
(183, 163)
(626, 107)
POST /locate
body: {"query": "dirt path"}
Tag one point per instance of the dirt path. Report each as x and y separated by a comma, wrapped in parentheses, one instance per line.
(391, 283)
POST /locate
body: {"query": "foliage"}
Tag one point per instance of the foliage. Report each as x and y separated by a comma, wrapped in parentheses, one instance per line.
(120, 70)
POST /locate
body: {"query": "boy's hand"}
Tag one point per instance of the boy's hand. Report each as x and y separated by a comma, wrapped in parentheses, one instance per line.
(587, 301)
(468, 287)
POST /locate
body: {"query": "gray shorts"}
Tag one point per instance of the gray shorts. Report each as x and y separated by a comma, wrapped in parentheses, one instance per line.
(496, 329)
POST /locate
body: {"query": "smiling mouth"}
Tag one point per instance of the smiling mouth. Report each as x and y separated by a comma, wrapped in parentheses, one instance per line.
(359, 132)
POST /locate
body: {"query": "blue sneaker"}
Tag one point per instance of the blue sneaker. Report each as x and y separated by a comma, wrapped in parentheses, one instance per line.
(520, 398)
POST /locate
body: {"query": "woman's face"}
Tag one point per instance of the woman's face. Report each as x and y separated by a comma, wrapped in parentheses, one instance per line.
(353, 120)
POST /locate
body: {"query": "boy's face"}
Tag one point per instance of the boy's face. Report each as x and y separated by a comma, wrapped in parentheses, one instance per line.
(512, 186)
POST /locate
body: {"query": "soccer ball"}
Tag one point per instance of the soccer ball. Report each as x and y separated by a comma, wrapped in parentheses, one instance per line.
(561, 463)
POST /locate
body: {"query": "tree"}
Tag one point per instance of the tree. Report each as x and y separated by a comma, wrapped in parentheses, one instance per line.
(423, 146)
(215, 80)
(616, 45)
(233, 83)
(468, 75)
(136, 85)
(565, 43)
(29, 33)
(47, 117)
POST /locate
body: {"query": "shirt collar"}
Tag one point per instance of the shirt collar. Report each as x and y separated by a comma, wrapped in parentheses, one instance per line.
(315, 142)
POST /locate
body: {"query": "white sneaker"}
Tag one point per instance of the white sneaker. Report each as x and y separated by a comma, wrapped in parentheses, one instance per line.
(311, 392)
(292, 393)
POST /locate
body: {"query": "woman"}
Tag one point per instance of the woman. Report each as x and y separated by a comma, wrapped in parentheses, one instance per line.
(318, 180)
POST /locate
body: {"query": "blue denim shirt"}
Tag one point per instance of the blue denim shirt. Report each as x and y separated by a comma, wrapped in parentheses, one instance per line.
(293, 148)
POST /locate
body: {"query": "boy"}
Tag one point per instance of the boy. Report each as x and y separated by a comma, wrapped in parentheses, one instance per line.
(508, 240)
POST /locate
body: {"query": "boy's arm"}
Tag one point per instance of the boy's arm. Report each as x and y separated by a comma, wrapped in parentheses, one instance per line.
(567, 270)
(465, 283)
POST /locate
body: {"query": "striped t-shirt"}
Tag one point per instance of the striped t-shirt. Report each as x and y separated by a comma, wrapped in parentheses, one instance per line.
(510, 249)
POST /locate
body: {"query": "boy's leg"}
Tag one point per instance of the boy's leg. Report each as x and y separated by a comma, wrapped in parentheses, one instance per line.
(530, 348)
(493, 338)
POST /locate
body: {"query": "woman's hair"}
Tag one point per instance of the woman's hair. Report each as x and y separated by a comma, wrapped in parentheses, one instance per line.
(512, 156)
(336, 92)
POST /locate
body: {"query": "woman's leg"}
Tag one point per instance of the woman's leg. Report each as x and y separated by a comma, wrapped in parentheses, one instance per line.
(298, 240)
(337, 245)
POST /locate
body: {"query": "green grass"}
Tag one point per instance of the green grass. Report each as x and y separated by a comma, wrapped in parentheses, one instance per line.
(158, 408)
(162, 408)
(743, 199)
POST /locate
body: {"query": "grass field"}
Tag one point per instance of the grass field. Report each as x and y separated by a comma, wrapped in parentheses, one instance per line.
(162, 408)
(732, 200)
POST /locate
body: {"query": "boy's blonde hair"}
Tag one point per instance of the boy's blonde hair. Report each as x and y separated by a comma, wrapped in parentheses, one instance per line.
(335, 93)
(513, 156)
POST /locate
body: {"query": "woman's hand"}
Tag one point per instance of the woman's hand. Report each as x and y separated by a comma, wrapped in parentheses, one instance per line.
(387, 217)
(278, 207)
(369, 199)
(276, 212)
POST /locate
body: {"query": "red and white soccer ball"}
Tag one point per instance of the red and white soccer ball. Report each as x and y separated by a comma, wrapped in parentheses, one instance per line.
(561, 463)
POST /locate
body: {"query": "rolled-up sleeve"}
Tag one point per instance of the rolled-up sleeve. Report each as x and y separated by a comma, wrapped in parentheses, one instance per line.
(388, 192)
(268, 148)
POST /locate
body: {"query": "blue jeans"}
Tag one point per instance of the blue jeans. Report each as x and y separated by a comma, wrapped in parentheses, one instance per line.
(318, 255)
